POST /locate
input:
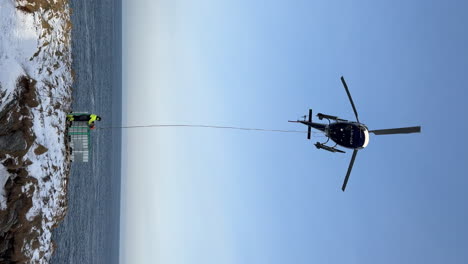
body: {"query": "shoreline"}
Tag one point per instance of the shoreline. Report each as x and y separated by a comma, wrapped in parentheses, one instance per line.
(94, 187)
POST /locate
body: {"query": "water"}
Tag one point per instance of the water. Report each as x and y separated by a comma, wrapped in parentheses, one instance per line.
(90, 231)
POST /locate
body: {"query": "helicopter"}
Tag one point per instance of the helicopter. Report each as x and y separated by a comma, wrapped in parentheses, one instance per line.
(348, 134)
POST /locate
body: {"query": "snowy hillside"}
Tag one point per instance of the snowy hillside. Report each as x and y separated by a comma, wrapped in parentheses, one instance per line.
(35, 92)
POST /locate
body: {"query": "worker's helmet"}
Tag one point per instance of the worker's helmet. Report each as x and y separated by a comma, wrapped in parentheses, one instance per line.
(92, 126)
(98, 118)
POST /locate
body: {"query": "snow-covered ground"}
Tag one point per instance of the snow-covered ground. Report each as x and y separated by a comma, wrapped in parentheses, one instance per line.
(35, 42)
(17, 44)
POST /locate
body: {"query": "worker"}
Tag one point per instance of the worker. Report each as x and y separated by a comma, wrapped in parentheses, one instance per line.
(84, 117)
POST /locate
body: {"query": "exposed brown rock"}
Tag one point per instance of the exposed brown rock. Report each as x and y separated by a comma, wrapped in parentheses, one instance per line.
(40, 150)
(16, 137)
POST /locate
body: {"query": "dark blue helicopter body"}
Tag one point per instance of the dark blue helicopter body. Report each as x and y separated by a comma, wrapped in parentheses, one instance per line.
(349, 135)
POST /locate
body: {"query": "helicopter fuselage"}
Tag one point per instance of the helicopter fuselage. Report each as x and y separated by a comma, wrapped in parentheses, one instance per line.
(347, 134)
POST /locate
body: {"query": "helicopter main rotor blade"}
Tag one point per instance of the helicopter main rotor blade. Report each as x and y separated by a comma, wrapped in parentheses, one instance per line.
(350, 98)
(402, 130)
(349, 170)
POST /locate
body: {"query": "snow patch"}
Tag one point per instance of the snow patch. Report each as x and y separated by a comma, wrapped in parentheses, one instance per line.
(17, 45)
(4, 175)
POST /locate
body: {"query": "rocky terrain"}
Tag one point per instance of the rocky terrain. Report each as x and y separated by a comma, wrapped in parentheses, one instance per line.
(35, 95)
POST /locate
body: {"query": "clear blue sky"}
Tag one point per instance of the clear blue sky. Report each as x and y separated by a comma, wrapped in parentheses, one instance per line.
(220, 196)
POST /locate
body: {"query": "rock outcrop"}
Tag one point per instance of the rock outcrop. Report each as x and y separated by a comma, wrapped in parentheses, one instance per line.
(13, 142)
(16, 137)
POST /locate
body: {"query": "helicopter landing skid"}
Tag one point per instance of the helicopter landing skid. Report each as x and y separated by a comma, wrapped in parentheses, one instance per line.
(319, 145)
(329, 117)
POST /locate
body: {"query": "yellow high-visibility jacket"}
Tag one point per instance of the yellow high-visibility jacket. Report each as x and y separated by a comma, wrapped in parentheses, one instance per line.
(92, 119)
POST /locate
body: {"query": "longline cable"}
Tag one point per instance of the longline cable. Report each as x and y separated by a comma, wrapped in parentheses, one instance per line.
(209, 126)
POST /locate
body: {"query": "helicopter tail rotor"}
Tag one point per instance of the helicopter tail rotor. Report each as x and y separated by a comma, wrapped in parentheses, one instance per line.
(309, 128)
